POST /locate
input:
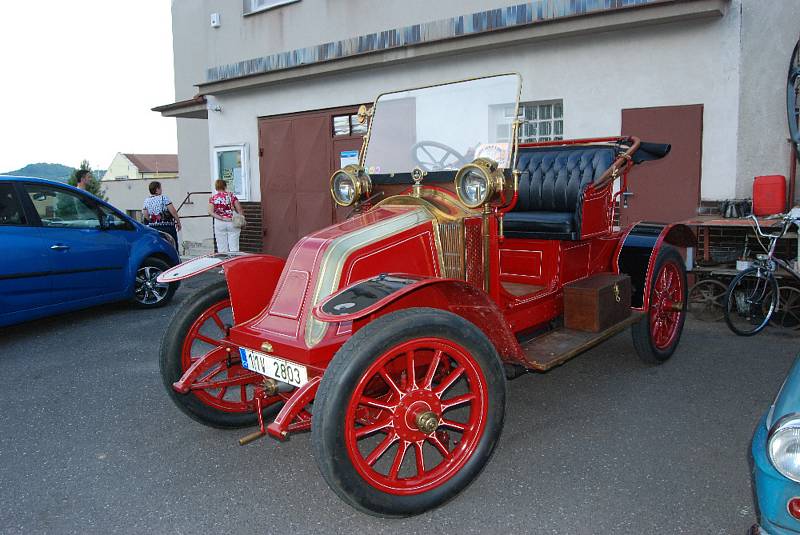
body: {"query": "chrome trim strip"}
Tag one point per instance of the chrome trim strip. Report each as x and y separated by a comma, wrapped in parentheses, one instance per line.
(339, 251)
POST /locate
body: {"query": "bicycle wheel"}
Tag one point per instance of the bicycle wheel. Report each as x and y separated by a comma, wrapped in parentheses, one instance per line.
(787, 315)
(750, 301)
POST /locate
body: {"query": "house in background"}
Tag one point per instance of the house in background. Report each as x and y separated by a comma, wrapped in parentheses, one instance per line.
(142, 167)
(126, 185)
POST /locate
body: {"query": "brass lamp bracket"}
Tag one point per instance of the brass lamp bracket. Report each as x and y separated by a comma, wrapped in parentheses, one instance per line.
(417, 175)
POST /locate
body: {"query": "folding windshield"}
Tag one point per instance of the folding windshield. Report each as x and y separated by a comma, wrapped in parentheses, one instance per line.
(443, 127)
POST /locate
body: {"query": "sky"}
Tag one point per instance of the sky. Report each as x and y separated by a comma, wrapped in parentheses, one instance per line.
(78, 79)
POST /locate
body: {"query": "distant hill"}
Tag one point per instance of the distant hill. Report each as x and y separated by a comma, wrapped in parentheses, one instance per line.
(53, 171)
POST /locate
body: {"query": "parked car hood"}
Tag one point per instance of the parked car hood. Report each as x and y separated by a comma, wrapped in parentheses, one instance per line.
(788, 398)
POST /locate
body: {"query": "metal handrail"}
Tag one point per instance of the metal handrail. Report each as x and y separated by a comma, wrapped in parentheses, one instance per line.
(187, 200)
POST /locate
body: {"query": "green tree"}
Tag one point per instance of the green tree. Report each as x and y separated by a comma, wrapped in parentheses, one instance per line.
(94, 184)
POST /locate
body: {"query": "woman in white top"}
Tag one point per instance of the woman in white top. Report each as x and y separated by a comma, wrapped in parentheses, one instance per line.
(159, 213)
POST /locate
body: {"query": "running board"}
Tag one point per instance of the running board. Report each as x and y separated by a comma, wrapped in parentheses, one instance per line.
(556, 347)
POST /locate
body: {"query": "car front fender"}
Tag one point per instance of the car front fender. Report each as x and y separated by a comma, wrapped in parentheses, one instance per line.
(199, 265)
(142, 247)
(371, 298)
(251, 278)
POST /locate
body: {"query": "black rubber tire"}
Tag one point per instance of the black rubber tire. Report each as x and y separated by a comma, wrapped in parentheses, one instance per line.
(171, 368)
(340, 379)
(774, 285)
(173, 286)
(640, 331)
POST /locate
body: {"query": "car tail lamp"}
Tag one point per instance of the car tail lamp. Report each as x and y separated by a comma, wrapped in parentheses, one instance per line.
(480, 182)
(783, 446)
(350, 185)
(794, 507)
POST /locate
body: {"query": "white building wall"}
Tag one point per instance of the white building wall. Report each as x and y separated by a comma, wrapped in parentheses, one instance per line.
(312, 22)
(195, 176)
(768, 37)
(190, 45)
(596, 75)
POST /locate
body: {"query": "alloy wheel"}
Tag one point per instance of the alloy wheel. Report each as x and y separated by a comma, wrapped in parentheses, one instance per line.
(148, 290)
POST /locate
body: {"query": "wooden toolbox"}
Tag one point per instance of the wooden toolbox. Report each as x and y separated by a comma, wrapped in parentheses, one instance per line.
(596, 303)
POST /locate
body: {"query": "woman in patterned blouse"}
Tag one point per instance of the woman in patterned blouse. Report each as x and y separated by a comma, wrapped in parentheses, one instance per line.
(221, 206)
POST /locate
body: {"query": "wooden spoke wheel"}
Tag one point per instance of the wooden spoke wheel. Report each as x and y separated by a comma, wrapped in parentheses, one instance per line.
(793, 97)
(787, 313)
(707, 300)
(408, 412)
(656, 337)
(222, 395)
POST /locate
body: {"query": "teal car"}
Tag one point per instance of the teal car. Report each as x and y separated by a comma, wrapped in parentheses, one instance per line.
(776, 461)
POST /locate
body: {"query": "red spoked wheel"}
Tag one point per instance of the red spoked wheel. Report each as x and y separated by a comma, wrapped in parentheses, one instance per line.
(224, 388)
(656, 336)
(416, 384)
(666, 305)
(222, 395)
(415, 422)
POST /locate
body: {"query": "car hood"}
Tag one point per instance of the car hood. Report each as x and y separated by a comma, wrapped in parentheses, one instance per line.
(788, 398)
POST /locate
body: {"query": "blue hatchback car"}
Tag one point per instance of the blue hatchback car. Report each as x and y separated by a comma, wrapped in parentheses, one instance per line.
(776, 461)
(65, 249)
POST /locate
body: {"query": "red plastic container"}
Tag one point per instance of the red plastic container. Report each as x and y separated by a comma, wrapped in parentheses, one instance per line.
(769, 195)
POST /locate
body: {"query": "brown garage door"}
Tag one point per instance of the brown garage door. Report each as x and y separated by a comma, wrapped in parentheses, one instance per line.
(298, 154)
(666, 190)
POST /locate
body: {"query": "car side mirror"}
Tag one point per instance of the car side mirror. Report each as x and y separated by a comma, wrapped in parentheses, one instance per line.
(107, 221)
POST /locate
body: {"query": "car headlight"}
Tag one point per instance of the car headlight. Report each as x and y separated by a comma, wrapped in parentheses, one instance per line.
(479, 182)
(783, 446)
(350, 184)
(168, 238)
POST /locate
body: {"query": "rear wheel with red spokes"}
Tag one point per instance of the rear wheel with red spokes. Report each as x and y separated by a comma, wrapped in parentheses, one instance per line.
(222, 394)
(656, 337)
(408, 412)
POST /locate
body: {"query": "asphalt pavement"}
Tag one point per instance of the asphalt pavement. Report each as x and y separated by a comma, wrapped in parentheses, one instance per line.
(90, 443)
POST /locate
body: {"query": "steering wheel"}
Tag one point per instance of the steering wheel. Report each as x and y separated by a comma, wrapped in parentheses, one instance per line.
(435, 156)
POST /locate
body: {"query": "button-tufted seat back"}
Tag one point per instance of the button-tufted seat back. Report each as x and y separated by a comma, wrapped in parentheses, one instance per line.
(551, 187)
(553, 179)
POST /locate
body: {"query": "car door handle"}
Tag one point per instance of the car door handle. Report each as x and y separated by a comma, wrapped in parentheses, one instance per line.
(59, 247)
(625, 196)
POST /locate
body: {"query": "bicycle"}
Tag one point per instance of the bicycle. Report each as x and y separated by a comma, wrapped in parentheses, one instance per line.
(753, 297)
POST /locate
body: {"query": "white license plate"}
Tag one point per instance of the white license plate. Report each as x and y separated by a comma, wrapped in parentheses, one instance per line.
(278, 369)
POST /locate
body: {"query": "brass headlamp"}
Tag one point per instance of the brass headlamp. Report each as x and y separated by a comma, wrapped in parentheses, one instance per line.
(350, 184)
(480, 182)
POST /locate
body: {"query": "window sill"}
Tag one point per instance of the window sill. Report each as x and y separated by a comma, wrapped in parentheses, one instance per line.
(268, 8)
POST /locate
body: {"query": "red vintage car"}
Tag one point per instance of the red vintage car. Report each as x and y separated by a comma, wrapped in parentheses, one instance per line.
(391, 335)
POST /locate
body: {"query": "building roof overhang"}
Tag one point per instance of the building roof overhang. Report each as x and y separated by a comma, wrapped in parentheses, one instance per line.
(193, 108)
(503, 27)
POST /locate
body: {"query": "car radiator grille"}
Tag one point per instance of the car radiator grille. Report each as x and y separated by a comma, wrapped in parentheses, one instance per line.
(451, 236)
(473, 241)
(462, 250)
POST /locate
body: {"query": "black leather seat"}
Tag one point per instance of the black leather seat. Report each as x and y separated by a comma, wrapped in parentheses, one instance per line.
(551, 189)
